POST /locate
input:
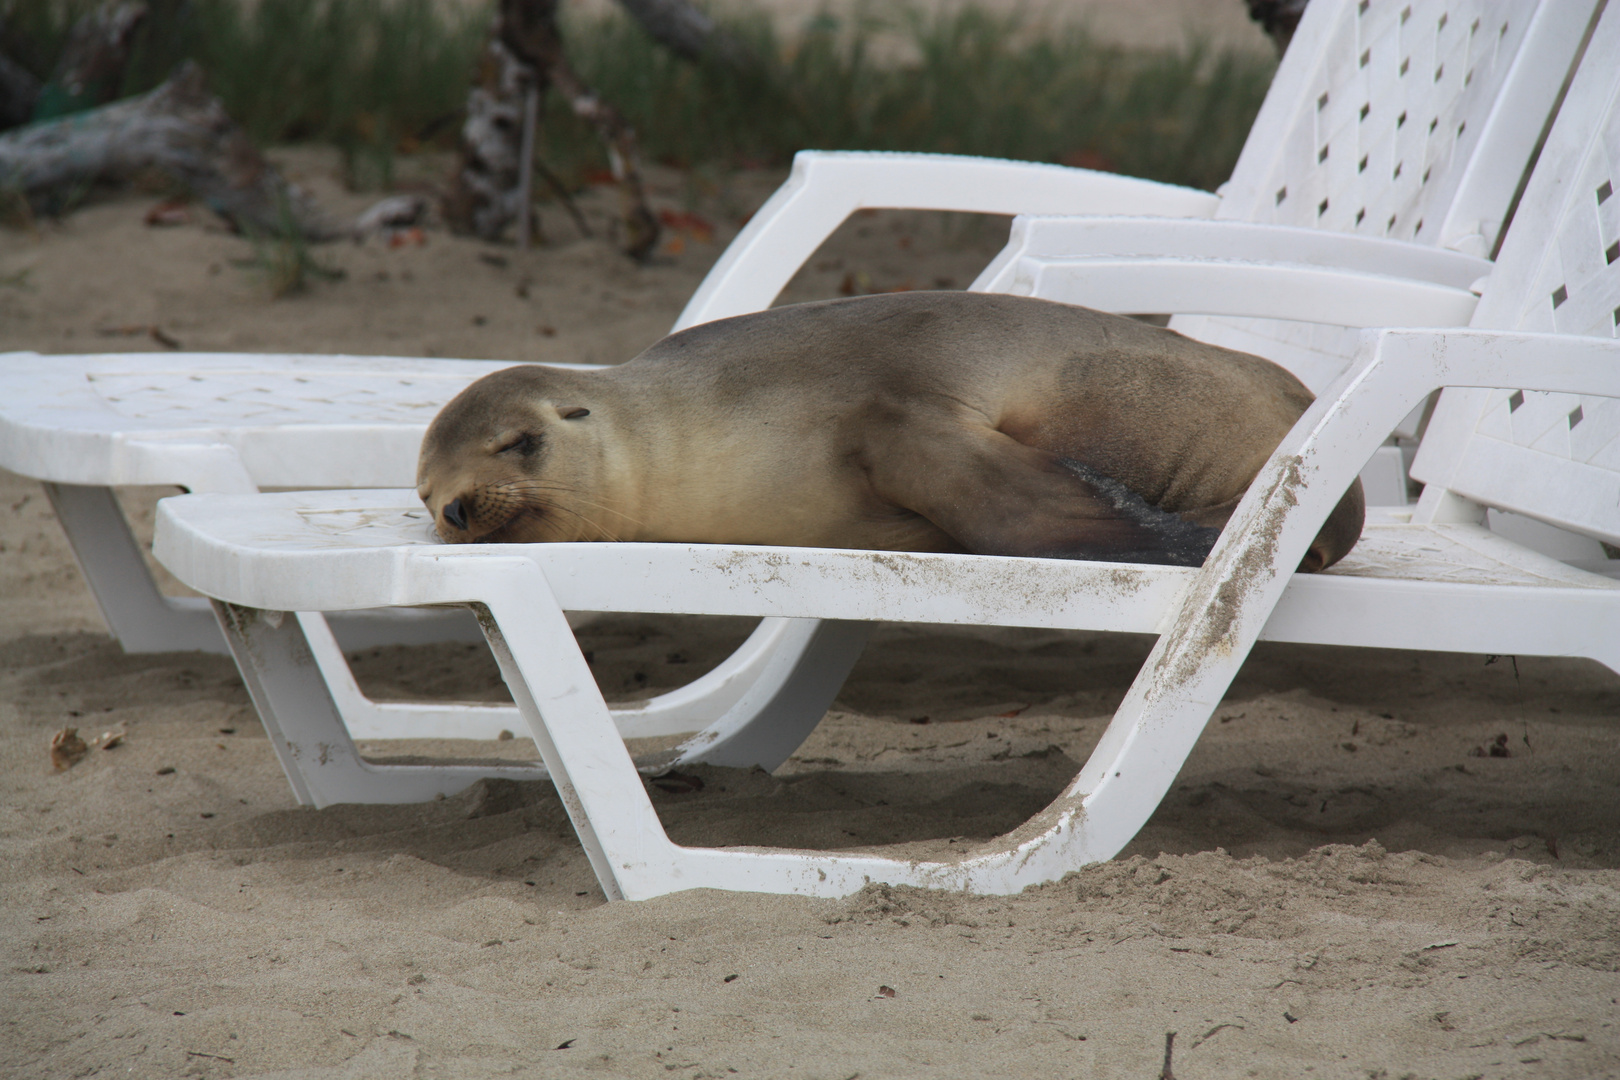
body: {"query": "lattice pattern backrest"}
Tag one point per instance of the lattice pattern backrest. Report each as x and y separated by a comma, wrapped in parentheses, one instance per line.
(1552, 456)
(1397, 106)
(1415, 122)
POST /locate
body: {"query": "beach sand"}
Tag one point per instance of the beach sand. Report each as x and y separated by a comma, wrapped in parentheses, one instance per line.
(1344, 882)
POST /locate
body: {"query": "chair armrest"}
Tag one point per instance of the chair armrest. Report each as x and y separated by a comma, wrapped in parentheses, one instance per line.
(1244, 289)
(826, 187)
(1034, 236)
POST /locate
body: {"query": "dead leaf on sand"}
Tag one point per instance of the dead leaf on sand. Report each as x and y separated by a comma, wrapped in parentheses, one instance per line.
(173, 212)
(677, 783)
(67, 749)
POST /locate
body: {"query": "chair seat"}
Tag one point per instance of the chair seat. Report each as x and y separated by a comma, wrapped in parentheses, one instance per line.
(304, 421)
(338, 550)
(1457, 554)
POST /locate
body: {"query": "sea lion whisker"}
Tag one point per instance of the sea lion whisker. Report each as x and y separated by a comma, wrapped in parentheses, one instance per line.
(603, 530)
(554, 487)
(603, 534)
(563, 509)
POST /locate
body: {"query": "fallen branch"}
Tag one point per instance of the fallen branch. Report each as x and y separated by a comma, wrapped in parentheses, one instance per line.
(179, 129)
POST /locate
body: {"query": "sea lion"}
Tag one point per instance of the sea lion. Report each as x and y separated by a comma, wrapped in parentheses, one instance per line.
(932, 421)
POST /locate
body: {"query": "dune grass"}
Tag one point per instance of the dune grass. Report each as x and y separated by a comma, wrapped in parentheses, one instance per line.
(979, 83)
(377, 77)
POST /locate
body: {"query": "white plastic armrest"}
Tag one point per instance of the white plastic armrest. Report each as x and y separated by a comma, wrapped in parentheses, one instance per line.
(1034, 236)
(826, 187)
(1261, 290)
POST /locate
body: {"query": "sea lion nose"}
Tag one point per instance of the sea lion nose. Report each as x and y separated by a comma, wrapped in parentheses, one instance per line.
(455, 514)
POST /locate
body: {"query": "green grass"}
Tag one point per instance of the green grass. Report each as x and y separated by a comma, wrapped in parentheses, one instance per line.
(282, 258)
(377, 76)
(983, 84)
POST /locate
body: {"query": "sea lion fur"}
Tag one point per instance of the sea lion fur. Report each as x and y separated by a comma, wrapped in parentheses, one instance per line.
(935, 421)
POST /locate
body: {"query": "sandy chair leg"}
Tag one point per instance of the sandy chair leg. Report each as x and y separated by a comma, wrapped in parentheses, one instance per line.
(572, 728)
(140, 617)
(305, 728)
(755, 709)
(783, 696)
(144, 620)
(598, 783)
(764, 721)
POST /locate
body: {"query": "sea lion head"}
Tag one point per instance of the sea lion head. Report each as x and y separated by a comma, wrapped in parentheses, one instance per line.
(513, 458)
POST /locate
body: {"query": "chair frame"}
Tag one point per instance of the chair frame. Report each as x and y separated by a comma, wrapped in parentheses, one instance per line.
(1208, 620)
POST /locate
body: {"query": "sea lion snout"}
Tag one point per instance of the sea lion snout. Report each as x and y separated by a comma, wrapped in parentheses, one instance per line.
(487, 513)
(505, 460)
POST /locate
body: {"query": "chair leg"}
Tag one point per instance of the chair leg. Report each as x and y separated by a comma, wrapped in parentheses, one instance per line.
(140, 617)
(786, 701)
(777, 712)
(1121, 784)
(597, 781)
(634, 858)
(144, 620)
(364, 718)
(696, 704)
(575, 734)
(768, 696)
(313, 709)
(305, 727)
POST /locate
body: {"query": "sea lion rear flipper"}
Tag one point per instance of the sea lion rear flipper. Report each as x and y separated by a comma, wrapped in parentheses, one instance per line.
(996, 496)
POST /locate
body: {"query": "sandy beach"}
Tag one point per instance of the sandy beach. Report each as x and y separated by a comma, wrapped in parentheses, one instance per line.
(1346, 881)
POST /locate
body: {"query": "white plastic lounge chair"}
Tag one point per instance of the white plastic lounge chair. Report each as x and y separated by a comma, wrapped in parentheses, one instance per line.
(1438, 582)
(227, 423)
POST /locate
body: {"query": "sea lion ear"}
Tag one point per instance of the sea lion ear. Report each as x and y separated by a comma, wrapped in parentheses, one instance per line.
(572, 412)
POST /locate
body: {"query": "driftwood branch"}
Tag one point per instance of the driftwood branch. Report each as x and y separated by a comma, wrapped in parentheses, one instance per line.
(179, 129)
(526, 50)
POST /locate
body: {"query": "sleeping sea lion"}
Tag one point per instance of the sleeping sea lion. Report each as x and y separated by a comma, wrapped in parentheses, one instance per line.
(930, 421)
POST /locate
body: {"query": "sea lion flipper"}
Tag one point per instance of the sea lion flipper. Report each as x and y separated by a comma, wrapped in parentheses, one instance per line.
(996, 496)
(1158, 536)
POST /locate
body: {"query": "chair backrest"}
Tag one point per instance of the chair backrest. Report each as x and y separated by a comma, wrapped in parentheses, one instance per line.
(1414, 120)
(1555, 457)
